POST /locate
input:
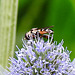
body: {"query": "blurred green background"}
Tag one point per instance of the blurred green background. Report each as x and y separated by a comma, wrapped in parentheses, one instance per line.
(43, 13)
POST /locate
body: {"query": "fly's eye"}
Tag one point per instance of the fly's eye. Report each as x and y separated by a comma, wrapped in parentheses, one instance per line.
(28, 36)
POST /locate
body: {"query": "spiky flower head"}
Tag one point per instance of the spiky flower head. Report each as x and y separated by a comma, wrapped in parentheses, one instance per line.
(38, 57)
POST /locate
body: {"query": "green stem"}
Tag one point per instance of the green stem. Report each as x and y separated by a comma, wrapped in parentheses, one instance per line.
(8, 30)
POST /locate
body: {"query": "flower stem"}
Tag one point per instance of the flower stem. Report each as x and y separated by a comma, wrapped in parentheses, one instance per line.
(7, 29)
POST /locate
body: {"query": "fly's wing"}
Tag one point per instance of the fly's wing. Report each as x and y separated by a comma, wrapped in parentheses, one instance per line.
(48, 27)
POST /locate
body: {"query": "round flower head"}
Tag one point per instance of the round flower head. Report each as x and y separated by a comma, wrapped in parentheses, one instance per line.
(38, 57)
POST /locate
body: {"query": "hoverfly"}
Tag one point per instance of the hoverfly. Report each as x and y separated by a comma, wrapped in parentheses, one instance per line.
(34, 32)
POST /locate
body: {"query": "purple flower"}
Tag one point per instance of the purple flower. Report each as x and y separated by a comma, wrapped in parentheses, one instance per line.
(38, 57)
